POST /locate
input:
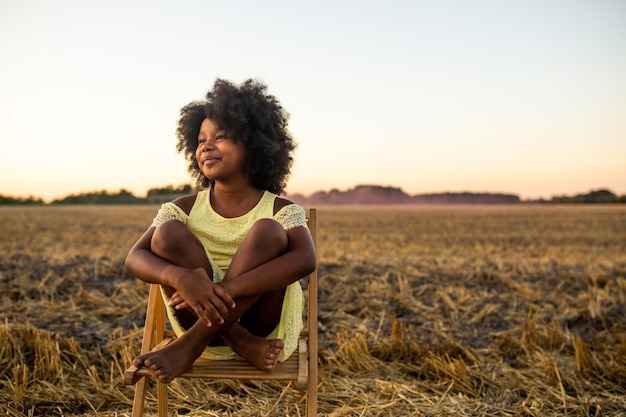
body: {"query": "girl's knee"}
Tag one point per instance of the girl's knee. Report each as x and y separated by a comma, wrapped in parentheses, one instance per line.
(168, 236)
(269, 232)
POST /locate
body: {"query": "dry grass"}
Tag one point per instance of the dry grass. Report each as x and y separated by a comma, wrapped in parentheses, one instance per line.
(434, 311)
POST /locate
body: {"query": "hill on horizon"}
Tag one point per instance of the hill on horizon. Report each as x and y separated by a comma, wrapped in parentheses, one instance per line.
(377, 194)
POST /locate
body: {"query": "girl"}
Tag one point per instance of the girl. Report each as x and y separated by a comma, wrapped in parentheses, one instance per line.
(228, 258)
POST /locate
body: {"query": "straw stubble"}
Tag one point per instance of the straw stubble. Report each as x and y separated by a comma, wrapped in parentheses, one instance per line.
(434, 311)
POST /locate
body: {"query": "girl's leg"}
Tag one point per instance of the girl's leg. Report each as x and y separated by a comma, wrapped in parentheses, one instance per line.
(173, 242)
(265, 241)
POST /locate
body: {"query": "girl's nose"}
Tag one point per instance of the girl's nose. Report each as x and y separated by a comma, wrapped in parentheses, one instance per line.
(208, 145)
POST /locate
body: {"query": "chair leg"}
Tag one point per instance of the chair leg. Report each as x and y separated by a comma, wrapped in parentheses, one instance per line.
(140, 398)
(311, 401)
(162, 399)
(311, 392)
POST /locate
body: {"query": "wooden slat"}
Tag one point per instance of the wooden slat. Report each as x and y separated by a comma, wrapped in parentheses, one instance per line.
(231, 369)
(303, 372)
(241, 369)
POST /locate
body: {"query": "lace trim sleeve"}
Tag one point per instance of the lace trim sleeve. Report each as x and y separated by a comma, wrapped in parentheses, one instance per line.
(291, 216)
(169, 211)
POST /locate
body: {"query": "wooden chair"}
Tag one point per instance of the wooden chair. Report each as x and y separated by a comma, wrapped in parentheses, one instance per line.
(301, 366)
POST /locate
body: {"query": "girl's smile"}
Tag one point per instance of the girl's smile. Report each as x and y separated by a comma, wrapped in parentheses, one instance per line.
(209, 160)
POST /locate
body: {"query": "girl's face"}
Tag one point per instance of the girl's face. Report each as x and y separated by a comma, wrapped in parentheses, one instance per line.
(219, 157)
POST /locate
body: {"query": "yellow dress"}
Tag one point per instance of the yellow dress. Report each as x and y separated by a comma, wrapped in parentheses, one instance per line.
(221, 237)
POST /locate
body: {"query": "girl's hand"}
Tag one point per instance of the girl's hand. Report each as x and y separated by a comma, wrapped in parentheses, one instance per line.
(210, 301)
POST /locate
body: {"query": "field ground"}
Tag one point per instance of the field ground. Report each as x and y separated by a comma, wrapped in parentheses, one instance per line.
(433, 311)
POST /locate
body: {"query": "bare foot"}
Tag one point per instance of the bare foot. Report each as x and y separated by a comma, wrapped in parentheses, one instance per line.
(260, 352)
(169, 362)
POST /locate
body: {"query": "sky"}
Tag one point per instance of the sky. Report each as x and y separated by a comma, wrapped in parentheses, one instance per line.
(522, 97)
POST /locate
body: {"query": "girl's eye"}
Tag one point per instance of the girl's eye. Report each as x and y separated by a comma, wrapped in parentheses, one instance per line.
(201, 141)
(220, 137)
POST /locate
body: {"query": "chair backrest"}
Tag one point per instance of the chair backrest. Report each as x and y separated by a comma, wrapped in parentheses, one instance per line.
(312, 318)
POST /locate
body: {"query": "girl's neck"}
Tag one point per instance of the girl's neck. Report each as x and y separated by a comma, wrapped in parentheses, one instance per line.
(234, 201)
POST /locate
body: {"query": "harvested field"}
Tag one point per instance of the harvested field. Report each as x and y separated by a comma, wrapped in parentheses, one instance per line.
(433, 311)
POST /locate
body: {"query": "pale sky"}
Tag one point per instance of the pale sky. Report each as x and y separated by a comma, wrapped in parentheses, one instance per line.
(523, 97)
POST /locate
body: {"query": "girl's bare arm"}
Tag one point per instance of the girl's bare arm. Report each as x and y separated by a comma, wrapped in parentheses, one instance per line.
(211, 302)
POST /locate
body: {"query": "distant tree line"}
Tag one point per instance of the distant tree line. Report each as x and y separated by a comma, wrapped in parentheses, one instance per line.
(154, 196)
(169, 193)
(4, 200)
(361, 194)
(601, 196)
(123, 196)
(100, 197)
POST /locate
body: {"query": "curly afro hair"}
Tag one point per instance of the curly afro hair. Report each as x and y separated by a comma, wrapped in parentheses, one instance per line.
(247, 113)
